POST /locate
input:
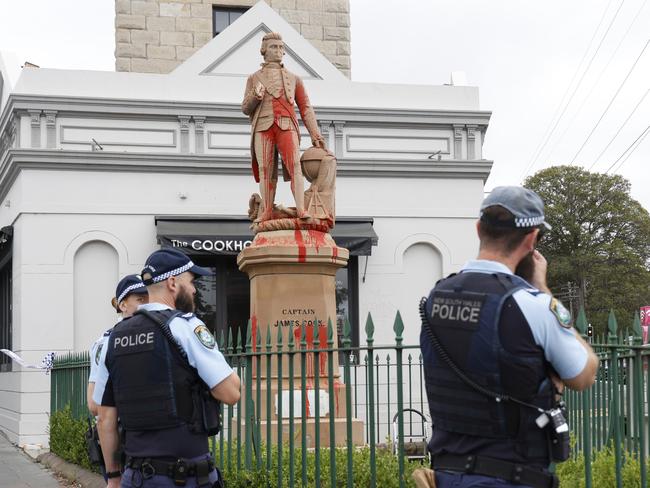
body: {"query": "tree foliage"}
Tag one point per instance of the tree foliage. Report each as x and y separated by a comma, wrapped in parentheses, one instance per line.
(600, 242)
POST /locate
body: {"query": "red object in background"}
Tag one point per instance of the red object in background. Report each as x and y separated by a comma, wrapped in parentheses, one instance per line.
(645, 322)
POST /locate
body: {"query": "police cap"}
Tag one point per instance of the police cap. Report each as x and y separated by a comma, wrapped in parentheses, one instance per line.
(128, 285)
(168, 262)
(525, 205)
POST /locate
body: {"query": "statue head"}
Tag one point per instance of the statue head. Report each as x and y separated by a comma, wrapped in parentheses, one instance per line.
(272, 47)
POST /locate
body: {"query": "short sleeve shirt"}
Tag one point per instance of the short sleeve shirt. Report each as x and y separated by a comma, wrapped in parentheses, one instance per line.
(561, 347)
(188, 331)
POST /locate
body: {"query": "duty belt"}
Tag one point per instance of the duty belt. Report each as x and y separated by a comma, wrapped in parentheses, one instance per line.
(496, 468)
(178, 470)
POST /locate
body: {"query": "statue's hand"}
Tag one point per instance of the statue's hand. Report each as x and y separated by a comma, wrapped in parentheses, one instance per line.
(259, 91)
(318, 141)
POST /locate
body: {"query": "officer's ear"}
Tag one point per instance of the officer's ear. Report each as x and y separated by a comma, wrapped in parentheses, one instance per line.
(122, 306)
(531, 240)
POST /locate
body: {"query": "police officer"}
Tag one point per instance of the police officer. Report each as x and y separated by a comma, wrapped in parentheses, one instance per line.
(497, 350)
(129, 295)
(163, 373)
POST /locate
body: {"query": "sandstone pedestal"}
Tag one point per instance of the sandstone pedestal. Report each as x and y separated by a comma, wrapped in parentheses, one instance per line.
(292, 275)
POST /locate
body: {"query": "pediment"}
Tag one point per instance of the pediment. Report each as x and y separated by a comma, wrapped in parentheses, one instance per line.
(236, 50)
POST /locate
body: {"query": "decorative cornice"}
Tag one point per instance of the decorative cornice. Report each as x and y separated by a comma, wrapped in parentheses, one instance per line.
(35, 117)
(184, 122)
(170, 108)
(15, 160)
(199, 123)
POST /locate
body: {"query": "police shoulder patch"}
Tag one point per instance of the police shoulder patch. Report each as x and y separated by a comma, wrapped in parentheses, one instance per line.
(562, 315)
(205, 336)
(99, 352)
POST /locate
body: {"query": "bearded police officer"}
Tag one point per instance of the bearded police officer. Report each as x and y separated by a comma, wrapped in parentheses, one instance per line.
(163, 374)
(497, 351)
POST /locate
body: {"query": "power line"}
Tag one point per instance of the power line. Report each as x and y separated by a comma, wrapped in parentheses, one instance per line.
(547, 135)
(600, 75)
(610, 102)
(538, 152)
(640, 138)
(619, 130)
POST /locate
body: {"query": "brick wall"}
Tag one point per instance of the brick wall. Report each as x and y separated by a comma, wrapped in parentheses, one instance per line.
(155, 36)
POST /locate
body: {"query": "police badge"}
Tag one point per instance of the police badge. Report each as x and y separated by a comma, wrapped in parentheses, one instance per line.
(562, 315)
(205, 336)
(99, 352)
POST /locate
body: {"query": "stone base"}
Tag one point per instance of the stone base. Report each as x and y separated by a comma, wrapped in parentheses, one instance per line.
(340, 432)
(339, 393)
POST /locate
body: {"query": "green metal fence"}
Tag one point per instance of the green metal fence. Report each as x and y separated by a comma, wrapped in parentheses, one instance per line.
(614, 412)
(373, 400)
(69, 383)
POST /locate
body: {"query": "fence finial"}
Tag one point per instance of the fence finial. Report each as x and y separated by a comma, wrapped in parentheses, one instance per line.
(398, 327)
(612, 324)
(581, 322)
(370, 329)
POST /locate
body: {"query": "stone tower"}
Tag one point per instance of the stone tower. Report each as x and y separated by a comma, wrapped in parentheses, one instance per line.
(155, 36)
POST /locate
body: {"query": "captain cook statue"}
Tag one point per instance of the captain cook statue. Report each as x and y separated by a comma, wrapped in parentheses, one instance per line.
(269, 102)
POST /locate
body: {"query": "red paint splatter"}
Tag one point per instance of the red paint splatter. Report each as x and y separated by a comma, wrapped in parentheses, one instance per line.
(307, 405)
(302, 250)
(254, 332)
(322, 337)
(335, 253)
(260, 241)
(337, 391)
(317, 238)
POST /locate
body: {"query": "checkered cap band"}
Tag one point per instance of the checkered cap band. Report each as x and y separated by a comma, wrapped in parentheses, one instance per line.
(173, 272)
(529, 221)
(128, 290)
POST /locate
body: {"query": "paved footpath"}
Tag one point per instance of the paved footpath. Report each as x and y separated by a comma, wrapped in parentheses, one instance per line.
(18, 470)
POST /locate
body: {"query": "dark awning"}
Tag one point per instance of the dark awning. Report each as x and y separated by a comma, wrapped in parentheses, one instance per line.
(229, 235)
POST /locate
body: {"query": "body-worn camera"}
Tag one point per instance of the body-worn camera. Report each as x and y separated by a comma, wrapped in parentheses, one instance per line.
(559, 433)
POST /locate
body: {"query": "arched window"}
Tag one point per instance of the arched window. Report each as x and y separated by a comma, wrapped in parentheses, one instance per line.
(96, 271)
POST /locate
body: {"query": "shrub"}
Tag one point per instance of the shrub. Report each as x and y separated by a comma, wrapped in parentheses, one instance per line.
(67, 437)
(386, 468)
(603, 472)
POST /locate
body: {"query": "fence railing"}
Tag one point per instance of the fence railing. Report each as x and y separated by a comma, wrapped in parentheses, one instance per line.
(294, 390)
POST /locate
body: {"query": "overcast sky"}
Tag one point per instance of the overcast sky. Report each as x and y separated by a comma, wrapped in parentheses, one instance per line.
(526, 58)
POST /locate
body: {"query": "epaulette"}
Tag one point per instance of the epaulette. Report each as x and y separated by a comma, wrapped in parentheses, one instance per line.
(533, 291)
(108, 332)
(188, 315)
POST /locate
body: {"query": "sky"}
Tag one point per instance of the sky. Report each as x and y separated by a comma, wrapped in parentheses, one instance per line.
(566, 80)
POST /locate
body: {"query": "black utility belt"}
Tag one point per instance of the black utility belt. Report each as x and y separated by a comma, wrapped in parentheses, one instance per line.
(496, 468)
(178, 470)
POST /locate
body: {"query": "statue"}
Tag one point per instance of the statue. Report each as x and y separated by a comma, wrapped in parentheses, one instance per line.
(269, 102)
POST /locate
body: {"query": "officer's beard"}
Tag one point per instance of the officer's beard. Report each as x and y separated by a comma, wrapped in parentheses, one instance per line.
(184, 301)
(526, 267)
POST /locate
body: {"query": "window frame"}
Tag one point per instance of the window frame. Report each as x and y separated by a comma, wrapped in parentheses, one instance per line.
(224, 9)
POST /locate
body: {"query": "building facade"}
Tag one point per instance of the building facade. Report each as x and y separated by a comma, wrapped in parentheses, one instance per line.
(98, 169)
(155, 36)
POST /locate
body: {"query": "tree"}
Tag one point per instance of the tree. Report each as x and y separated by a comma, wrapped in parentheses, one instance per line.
(600, 241)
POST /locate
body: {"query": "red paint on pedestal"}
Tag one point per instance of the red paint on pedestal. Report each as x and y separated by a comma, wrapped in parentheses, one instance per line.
(302, 249)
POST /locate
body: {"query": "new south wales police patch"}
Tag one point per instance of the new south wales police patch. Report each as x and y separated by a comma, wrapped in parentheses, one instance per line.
(205, 336)
(99, 352)
(562, 315)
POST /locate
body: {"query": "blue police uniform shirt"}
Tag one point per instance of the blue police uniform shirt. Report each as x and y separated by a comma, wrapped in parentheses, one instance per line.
(211, 365)
(95, 355)
(562, 349)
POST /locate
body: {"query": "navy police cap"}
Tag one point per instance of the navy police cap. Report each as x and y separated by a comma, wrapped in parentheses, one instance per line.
(168, 262)
(526, 206)
(129, 284)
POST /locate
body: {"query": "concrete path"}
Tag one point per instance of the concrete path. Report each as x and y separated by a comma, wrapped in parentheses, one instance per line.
(17, 470)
